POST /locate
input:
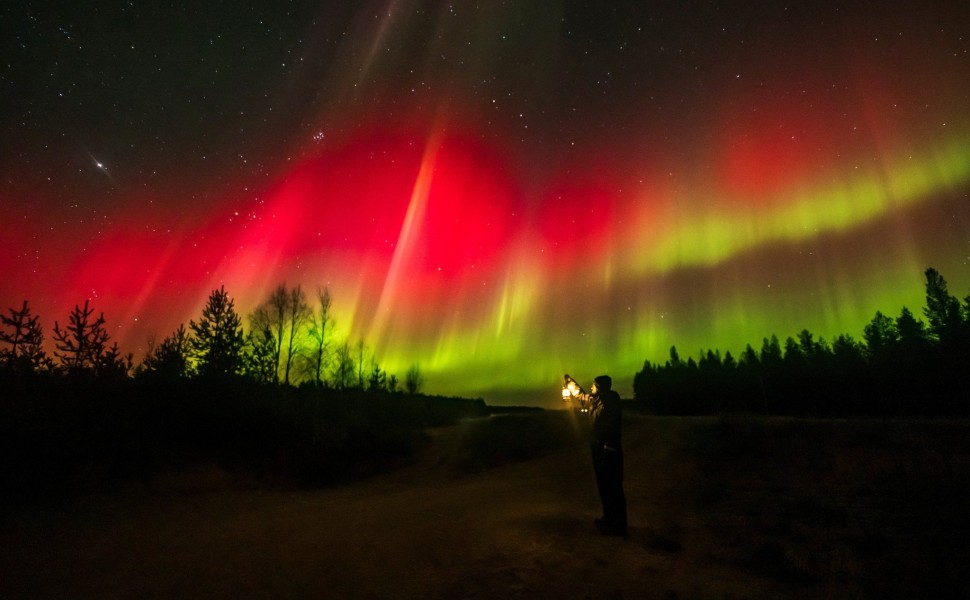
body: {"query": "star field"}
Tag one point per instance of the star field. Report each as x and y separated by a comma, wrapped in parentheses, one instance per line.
(501, 191)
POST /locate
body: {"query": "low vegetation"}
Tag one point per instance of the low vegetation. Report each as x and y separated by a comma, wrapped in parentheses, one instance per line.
(62, 435)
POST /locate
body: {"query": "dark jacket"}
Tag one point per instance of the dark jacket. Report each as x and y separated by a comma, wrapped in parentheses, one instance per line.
(607, 412)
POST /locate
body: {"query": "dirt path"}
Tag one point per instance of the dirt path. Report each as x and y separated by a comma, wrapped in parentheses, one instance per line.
(516, 531)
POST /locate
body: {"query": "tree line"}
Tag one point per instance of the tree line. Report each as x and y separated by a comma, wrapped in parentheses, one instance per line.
(277, 401)
(289, 340)
(903, 366)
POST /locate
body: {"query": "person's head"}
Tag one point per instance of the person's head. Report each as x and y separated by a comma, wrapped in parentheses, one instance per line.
(603, 383)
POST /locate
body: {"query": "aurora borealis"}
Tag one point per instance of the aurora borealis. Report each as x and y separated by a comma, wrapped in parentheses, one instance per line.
(499, 191)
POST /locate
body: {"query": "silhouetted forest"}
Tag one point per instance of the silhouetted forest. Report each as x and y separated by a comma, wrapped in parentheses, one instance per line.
(279, 402)
(289, 341)
(903, 366)
(282, 400)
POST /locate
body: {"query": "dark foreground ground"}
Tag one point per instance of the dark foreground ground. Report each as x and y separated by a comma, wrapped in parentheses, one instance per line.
(719, 508)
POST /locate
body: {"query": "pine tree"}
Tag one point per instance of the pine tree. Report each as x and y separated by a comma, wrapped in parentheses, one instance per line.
(26, 339)
(80, 345)
(112, 364)
(217, 339)
(809, 347)
(378, 380)
(643, 379)
(414, 380)
(710, 360)
(771, 352)
(880, 335)
(674, 361)
(171, 357)
(912, 331)
(794, 356)
(749, 357)
(847, 351)
(942, 310)
(260, 358)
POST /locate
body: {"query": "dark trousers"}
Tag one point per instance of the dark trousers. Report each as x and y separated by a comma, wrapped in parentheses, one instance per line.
(608, 465)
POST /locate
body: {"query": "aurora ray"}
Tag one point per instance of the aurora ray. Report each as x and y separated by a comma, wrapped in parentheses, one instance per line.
(499, 193)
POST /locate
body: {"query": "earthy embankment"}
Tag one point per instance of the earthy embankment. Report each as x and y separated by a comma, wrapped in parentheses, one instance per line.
(719, 509)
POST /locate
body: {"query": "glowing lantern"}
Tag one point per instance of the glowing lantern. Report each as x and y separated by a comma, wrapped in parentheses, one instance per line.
(571, 390)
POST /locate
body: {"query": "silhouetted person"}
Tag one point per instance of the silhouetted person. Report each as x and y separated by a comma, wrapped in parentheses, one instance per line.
(606, 411)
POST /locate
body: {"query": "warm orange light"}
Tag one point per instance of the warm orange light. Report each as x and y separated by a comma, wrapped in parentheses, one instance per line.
(571, 389)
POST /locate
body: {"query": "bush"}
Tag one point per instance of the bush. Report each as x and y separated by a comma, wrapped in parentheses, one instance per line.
(62, 434)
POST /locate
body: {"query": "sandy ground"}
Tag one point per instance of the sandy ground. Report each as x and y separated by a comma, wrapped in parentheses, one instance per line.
(515, 531)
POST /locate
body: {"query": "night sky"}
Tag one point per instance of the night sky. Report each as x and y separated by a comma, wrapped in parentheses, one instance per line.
(500, 191)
